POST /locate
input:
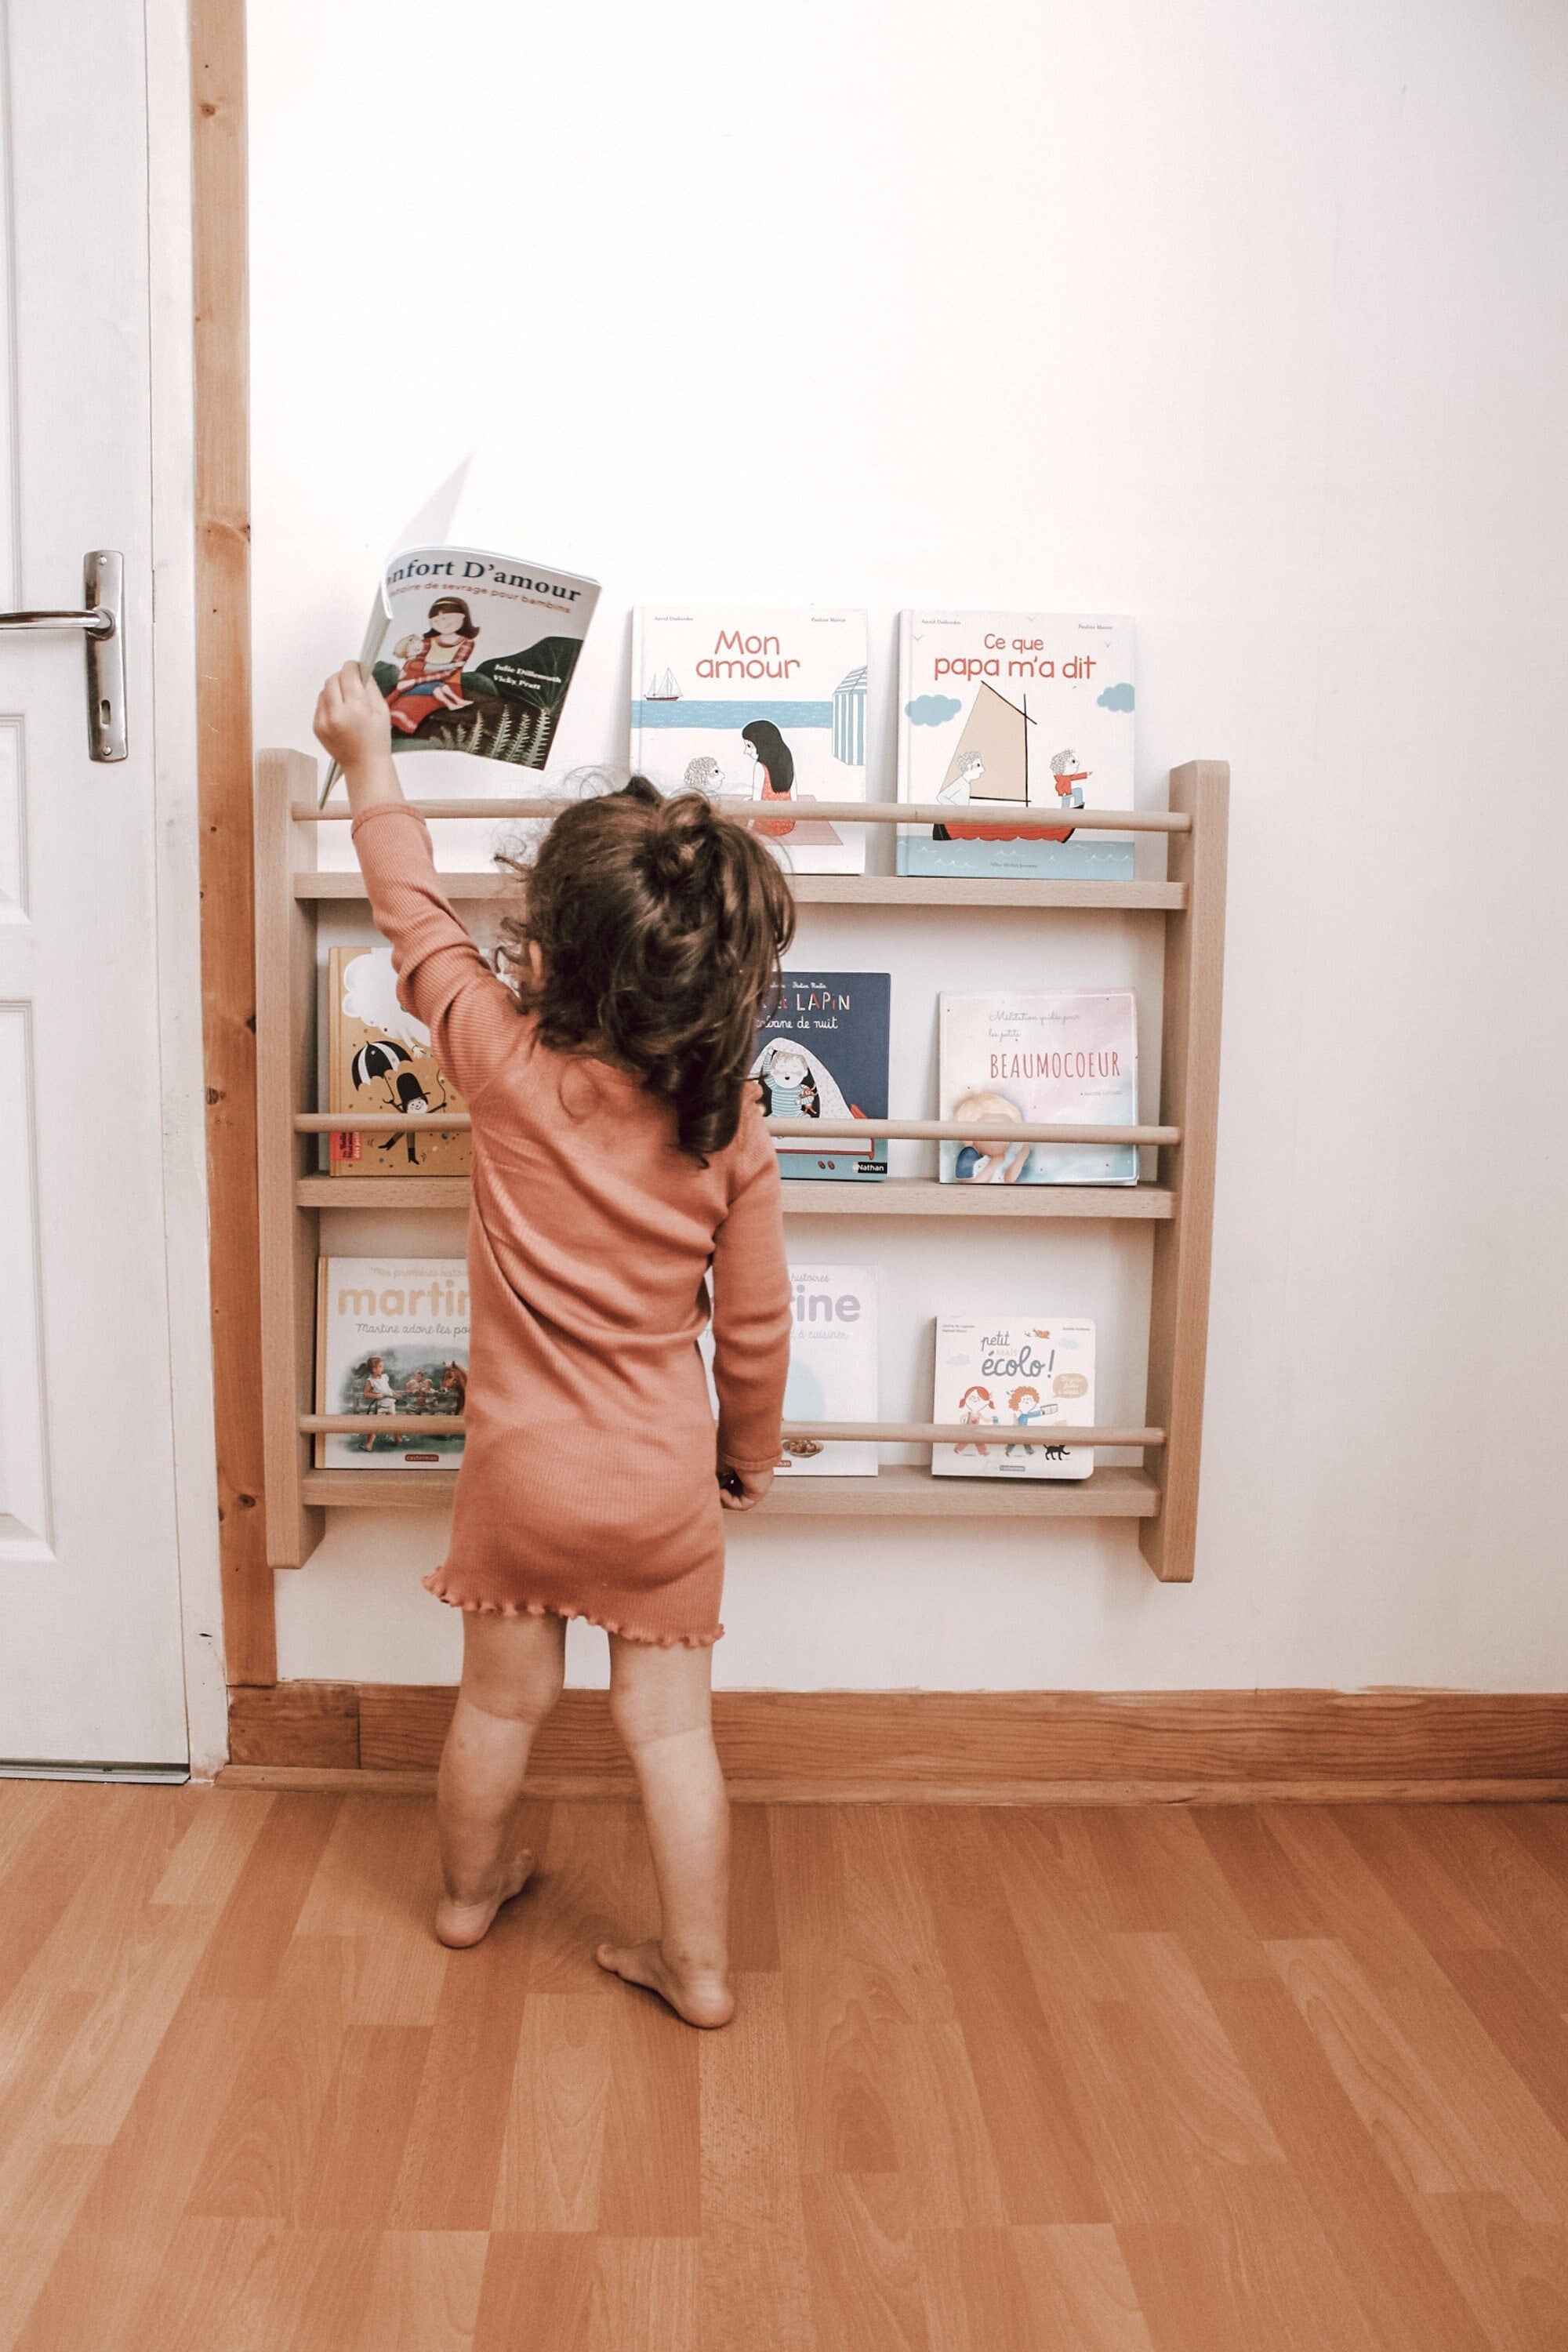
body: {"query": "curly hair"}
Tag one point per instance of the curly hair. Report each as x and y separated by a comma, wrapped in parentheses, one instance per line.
(659, 926)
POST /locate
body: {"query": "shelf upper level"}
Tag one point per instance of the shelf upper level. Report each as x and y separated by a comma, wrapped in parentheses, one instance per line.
(896, 1196)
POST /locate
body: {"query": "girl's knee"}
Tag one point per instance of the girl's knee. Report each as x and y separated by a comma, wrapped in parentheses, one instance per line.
(513, 1667)
(657, 1693)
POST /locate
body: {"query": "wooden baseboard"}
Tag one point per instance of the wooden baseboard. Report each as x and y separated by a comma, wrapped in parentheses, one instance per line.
(960, 1747)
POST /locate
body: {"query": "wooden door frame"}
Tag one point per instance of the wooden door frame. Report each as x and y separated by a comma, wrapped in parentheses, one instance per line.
(220, 285)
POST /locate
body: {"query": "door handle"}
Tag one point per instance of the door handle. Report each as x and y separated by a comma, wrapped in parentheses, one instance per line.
(103, 581)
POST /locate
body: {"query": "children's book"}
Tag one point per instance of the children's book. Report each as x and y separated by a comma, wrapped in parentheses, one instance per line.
(1002, 711)
(1068, 1060)
(379, 1057)
(475, 651)
(822, 1053)
(392, 1337)
(832, 1368)
(1015, 1379)
(765, 705)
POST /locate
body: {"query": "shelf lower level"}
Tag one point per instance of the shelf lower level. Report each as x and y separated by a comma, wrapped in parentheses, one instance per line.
(900, 1491)
(898, 1196)
(890, 890)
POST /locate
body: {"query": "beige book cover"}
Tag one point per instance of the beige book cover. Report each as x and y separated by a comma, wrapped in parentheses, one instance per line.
(379, 1058)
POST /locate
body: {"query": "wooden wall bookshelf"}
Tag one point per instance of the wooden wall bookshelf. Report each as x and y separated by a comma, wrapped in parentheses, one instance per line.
(1162, 1499)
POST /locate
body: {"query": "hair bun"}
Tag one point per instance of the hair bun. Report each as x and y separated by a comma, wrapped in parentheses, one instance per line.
(679, 841)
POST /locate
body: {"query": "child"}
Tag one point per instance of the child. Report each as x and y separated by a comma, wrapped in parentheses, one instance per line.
(619, 1159)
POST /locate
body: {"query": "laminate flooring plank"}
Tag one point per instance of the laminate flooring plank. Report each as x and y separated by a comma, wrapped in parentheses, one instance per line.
(537, 2292)
(1162, 1878)
(1435, 2131)
(1513, 2273)
(867, 2291)
(552, 2150)
(227, 2285)
(1519, 2018)
(108, 2264)
(101, 2072)
(1258, 1873)
(651, 2180)
(593, 1885)
(214, 1847)
(972, 2290)
(424, 2292)
(1507, 2119)
(377, 1882)
(1507, 1866)
(843, 2120)
(1262, 2274)
(1356, 1908)
(38, 2207)
(253, 1932)
(452, 2155)
(363, 2128)
(1542, 1831)
(1406, 2291)
(50, 1845)
(753, 1924)
(1079, 2290)
(753, 2283)
(1406, 1849)
(25, 1808)
(260, 2159)
(1035, 2137)
(643, 2295)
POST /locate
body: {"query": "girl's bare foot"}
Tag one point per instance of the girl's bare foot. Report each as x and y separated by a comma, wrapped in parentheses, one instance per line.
(701, 1998)
(462, 1923)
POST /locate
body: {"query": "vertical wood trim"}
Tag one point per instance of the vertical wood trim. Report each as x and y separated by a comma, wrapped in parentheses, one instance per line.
(222, 771)
(1189, 1096)
(284, 1072)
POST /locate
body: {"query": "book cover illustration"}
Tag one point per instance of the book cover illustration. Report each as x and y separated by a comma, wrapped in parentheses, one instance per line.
(475, 651)
(1001, 711)
(379, 1057)
(765, 705)
(392, 1337)
(832, 1368)
(1014, 1380)
(822, 1053)
(1067, 1060)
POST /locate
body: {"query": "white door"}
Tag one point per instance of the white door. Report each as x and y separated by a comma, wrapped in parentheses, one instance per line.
(90, 1647)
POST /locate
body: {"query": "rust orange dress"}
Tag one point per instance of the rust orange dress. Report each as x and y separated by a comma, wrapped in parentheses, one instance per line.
(588, 1485)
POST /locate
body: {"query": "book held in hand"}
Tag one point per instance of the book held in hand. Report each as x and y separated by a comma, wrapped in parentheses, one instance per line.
(758, 704)
(392, 1337)
(1003, 711)
(475, 651)
(1020, 1382)
(379, 1058)
(822, 1053)
(1068, 1059)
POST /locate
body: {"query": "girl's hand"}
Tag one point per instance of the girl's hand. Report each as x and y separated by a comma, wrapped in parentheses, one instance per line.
(351, 719)
(742, 1490)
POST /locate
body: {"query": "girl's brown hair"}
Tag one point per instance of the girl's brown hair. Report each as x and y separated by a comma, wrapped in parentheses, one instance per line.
(659, 925)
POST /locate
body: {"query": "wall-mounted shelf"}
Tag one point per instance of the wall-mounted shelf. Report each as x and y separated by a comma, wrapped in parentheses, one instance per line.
(290, 892)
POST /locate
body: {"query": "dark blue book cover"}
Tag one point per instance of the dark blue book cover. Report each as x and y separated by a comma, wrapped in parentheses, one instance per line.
(822, 1053)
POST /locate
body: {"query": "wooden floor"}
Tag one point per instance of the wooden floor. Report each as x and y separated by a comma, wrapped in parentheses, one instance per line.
(1186, 2079)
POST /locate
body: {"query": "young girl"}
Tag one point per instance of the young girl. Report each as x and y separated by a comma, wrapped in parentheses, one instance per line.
(619, 1160)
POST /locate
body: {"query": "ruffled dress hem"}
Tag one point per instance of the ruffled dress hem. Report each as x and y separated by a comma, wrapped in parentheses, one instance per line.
(547, 1608)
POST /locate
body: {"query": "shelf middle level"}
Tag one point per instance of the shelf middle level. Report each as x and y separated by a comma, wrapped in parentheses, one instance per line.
(896, 1196)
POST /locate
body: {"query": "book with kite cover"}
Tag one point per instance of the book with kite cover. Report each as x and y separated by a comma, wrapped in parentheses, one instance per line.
(1012, 710)
(822, 1053)
(757, 704)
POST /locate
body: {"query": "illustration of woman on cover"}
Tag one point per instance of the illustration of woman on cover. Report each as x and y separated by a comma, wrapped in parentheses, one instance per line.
(431, 677)
(975, 1407)
(772, 770)
(379, 1395)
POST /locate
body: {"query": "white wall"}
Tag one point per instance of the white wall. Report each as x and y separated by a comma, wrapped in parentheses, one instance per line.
(1246, 321)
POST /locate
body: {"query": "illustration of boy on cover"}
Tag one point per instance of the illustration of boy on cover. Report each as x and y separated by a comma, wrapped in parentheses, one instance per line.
(991, 1159)
(1069, 780)
(789, 1083)
(431, 677)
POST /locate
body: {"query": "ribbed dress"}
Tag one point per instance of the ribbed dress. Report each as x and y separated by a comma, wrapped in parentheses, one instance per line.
(588, 1484)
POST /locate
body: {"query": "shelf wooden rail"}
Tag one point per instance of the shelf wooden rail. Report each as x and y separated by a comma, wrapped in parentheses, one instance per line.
(1179, 1203)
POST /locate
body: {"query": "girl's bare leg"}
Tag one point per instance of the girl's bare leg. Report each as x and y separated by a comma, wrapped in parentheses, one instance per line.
(513, 1668)
(660, 1703)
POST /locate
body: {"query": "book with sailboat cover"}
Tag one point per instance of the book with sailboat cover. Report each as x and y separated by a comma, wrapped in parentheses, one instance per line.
(760, 703)
(1003, 711)
(1032, 1059)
